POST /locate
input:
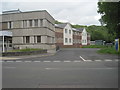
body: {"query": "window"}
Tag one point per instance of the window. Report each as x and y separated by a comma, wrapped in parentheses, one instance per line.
(27, 39)
(23, 39)
(38, 39)
(41, 22)
(24, 23)
(10, 25)
(52, 39)
(66, 40)
(70, 40)
(34, 39)
(69, 31)
(30, 23)
(65, 30)
(36, 22)
(4, 25)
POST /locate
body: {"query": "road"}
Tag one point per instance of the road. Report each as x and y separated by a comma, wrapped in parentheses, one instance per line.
(71, 68)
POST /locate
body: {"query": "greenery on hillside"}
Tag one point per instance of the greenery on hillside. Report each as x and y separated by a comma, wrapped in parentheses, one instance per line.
(78, 26)
(100, 33)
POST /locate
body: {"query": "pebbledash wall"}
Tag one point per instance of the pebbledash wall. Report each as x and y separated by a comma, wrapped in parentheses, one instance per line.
(66, 36)
(33, 29)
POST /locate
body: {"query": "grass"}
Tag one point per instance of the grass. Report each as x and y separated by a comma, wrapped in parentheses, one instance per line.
(104, 49)
(25, 50)
(94, 46)
(109, 50)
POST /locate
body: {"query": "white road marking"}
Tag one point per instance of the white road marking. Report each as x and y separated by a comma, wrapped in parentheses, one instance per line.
(76, 61)
(66, 61)
(28, 61)
(82, 58)
(88, 60)
(46, 61)
(18, 61)
(36, 61)
(50, 68)
(98, 60)
(9, 61)
(108, 60)
(56, 61)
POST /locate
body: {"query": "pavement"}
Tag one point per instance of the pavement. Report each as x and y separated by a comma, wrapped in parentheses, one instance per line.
(68, 68)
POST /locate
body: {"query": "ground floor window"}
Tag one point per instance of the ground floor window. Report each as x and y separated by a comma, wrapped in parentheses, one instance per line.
(70, 40)
(27, 39)
(38, 39)
(66, 40)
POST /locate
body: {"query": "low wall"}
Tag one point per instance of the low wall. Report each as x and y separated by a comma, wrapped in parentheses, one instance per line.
(24, 53)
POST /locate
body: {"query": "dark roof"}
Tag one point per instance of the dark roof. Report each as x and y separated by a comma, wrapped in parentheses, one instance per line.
(80, 29)
(61, 25)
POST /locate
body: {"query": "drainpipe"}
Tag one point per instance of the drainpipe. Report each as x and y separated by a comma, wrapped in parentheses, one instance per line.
(3, 44)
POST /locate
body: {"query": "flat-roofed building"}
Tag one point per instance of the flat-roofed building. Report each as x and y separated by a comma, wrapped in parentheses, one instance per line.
(32, 29)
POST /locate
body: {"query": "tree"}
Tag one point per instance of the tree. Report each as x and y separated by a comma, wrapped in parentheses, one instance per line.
(109, 16)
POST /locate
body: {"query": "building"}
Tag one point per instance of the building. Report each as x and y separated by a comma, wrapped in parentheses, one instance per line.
(33, 29)
(63, 35)
(66, 36)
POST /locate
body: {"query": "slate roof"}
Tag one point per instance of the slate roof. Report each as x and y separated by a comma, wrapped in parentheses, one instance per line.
(61, 25)
(78, 29)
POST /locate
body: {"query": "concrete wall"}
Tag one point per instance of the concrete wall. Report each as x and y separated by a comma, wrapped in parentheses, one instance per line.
(20, 27)
(27, 16)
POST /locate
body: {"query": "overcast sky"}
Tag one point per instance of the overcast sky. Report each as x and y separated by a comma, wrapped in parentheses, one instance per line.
(81, 12)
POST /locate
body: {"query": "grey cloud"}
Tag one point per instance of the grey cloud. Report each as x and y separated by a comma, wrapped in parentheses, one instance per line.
(75, 12)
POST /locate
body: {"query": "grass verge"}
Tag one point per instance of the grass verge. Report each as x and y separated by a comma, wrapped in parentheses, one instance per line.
(109, 50)
(94, 46)
(25, 50)
(104, 49)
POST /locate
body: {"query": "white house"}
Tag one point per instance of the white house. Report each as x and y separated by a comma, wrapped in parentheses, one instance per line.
(84, 37)
(68, 35)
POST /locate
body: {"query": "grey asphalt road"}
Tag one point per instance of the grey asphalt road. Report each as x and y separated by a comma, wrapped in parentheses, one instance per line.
(65, 69)
(74, 54)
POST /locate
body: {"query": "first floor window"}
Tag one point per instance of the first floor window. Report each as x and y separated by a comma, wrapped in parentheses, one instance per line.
(41, 22)
(69, 31)
(30, 23)
(38, 39)
(24, 23)
(36, 22)
(65, 30)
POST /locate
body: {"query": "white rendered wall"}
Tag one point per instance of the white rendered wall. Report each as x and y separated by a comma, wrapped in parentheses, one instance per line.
(84, 37)
(68, 35)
